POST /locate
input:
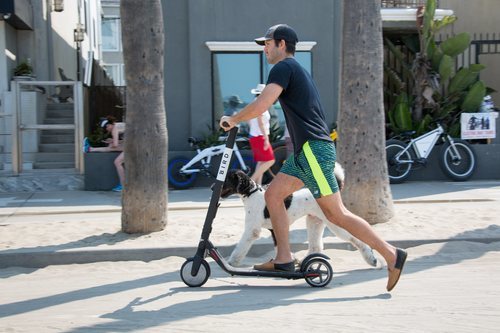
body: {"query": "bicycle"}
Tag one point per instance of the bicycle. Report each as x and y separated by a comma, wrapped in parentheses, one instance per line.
(182, 172)
(457, 160)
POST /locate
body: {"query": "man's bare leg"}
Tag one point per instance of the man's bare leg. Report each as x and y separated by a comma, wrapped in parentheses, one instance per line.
(282, 186)
(337, 213)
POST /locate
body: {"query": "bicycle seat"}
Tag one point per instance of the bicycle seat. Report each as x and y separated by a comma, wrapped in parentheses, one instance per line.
(407, 134)
(193, 141)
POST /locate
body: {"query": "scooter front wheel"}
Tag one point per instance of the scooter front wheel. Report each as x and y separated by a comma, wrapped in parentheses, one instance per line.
(318, 272)
(199, 279)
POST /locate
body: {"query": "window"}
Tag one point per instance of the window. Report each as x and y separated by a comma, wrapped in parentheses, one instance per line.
(110, 30)
(234, 74)
(116, 73)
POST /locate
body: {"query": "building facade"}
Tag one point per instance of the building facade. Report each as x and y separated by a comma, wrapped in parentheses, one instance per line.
(211, 61)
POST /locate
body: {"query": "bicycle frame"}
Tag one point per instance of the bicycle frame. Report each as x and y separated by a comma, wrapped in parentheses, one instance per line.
(424, 144)
(205, 157)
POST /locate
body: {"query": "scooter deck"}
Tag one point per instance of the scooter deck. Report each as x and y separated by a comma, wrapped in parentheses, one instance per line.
(248, 271)
(253, 272)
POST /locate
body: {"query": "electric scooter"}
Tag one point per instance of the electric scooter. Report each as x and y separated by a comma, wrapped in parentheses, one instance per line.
(195, 271)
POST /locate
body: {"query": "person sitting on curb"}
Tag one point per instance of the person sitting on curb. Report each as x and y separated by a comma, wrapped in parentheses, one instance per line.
(115, 143)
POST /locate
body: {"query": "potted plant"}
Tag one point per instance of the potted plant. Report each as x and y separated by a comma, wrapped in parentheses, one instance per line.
(23, 71)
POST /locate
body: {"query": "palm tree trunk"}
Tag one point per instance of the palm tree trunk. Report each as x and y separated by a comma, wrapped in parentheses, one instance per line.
(361, 146)
(145, 193)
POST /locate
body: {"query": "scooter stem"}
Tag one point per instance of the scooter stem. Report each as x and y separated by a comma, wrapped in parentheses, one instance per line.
(214, 200)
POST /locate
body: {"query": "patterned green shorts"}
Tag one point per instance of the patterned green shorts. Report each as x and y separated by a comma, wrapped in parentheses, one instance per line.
(314, 166)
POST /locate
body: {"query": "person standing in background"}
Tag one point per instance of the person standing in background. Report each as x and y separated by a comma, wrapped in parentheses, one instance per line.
(262, 149)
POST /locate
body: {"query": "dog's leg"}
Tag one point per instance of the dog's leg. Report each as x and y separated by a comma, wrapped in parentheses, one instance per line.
(240, 251)
(366, 251)
(315, 228)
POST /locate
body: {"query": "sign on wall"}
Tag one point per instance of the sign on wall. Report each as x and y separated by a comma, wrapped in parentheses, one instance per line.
(478, 125)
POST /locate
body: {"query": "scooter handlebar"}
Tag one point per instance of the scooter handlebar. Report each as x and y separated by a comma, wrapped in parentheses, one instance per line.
(231, 137)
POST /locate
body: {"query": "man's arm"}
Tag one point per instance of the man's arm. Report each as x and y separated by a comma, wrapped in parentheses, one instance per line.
(262, 127)
(269, 95)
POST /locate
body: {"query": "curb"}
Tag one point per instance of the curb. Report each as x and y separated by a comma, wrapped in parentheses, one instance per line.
(40, 259)
(102, 210)
(95, 209)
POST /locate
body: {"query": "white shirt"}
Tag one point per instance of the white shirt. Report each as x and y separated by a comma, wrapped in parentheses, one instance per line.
(254, 125)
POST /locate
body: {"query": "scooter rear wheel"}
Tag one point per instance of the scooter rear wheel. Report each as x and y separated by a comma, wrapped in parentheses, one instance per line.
(318, 272)
(199, 279)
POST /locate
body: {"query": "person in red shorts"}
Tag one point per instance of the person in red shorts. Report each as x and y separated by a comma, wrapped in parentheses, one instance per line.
(262, 149)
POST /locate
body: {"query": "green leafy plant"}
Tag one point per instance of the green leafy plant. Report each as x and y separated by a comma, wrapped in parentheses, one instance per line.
(23, 69)
(434, 91)
(275, 132)
(211, 138)
(97, 137)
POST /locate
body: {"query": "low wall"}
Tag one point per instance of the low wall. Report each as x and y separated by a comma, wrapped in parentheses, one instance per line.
(100, 171)
(488, 164)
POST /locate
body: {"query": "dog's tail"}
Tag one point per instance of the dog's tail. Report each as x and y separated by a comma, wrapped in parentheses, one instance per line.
(339, 174)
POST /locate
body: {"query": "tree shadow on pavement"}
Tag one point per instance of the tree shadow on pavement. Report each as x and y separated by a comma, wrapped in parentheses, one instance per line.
(90, 241)
(235, 298)
(11, 309)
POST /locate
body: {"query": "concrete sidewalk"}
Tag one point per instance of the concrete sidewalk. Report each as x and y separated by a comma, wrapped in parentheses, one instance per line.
(34, 211)
(65, 202)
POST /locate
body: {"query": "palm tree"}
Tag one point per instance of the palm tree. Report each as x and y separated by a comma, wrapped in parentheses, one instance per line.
(361, 119)
(145, 193)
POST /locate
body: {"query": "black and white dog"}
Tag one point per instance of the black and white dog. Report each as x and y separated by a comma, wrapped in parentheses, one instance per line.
(299, 204)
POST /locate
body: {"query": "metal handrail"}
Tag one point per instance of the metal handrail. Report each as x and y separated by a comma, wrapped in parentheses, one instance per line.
(17, 126)
(404, 3)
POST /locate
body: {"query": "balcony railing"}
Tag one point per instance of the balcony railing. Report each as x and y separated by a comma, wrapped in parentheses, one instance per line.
(404, 3)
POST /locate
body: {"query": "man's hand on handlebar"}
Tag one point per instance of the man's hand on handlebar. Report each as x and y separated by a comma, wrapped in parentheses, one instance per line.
(227, 123)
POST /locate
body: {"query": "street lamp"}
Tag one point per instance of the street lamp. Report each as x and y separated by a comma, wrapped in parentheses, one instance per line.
(58, 5)
(78, 36)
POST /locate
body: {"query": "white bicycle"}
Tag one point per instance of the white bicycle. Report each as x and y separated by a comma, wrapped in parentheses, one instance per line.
(457, 158)
(182, 171)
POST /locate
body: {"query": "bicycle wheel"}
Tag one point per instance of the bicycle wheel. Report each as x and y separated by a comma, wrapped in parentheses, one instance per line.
(398, 172)
(458, 167)
(175, 178)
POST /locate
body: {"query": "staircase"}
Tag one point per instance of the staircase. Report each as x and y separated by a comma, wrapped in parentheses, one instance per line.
(57, 147)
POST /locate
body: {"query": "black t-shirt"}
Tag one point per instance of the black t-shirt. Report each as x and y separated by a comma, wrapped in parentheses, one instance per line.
(301, 104)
